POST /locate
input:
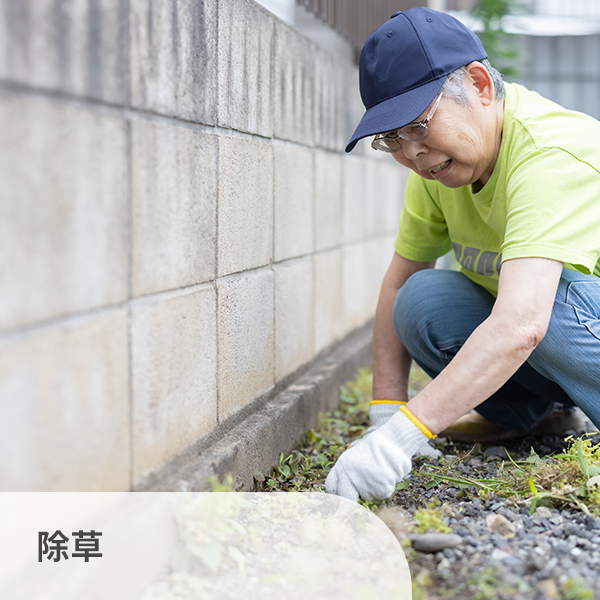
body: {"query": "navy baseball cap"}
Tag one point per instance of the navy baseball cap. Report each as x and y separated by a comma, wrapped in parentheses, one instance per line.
(404, 64)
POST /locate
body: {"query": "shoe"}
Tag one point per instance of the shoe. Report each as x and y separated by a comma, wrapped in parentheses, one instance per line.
(472, 427)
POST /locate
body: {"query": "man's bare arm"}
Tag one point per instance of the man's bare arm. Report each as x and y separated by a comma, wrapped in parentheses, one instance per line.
(498, 347)
(391, 361)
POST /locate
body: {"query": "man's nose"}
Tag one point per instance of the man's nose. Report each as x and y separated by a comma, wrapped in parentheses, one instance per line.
(412, 150)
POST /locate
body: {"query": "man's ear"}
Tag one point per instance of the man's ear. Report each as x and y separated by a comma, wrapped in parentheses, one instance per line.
(482, 82)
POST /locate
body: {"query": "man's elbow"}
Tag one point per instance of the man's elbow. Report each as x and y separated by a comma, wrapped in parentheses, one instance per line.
(529, 336)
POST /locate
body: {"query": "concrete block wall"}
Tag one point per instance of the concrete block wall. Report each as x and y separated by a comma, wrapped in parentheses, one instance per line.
(180, 229)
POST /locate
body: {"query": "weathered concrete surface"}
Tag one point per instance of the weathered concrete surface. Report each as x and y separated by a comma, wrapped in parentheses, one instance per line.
(174, 207)
(278, 426)
(355, 198)
(293, 86)
(244, 72)
(328, 200)
(173, 58)
(329, 315)
(363, 267)
(246, 339)
(294, 214)
(63, 213)
(64, 407)
(71, 46)
(174, 376)
(245, 205)
(179, 162)
(294, 315)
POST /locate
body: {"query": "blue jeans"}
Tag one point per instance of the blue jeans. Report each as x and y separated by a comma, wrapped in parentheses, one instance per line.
(436, 311)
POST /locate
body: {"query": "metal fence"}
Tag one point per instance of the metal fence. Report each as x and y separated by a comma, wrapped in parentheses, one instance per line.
(355, 20)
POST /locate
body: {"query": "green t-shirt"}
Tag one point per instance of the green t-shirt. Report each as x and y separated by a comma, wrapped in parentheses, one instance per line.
(542, 200)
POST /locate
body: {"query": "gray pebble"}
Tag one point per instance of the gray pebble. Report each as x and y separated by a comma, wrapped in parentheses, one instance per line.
(435, 542)
(498, 451)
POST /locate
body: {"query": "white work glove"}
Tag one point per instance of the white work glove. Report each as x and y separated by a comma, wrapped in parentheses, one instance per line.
(380, 412)
(372, 469)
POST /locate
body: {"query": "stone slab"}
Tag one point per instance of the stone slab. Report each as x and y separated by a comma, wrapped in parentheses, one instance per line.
(174, 207)
(64, 407)
(64, 216)
(246, 339)
(245, 205)
(174, 376)
(174, 59)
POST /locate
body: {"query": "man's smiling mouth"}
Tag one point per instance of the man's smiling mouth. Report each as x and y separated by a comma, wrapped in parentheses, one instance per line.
(440, 166)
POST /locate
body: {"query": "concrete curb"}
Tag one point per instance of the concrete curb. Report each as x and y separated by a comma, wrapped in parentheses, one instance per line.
(279, 425)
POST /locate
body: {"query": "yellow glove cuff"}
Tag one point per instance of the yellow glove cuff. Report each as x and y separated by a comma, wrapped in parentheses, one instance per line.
(417, 423)
(387, 402)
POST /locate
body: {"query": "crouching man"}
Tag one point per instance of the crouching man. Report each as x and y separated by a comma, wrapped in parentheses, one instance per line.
(511, 182)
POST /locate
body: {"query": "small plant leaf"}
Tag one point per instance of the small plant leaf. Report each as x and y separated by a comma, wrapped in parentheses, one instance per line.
(582, 462)
(532, 486)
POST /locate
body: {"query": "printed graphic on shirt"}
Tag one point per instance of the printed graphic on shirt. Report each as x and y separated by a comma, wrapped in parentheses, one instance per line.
(478, 261)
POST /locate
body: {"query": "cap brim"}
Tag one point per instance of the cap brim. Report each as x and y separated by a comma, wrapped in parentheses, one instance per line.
(396, 112)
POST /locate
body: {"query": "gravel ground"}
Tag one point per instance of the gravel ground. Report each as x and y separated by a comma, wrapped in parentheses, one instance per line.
(504, 551)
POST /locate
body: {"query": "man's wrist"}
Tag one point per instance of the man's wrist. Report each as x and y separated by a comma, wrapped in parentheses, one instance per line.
(390, 393)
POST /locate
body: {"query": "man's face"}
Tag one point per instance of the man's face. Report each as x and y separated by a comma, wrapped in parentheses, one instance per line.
(462, 144)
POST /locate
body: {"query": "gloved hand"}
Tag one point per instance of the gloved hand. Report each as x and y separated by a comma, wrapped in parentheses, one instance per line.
(372, 469)
(380, 412)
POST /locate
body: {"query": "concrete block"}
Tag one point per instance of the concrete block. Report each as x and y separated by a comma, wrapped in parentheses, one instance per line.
(246, 339)
(174, 376)
(329, 224)
(356, 197)
(174, 198)
(244, 71)
(330, 95)
(63, 219)
(277, 426)
(354, 110)
(329, 302)
(64, 407)
(294, 198)
(293, 85)
(174, 58)
(360, 290)
(72, 46)
(245, 205)
(385, 190)
(294, 315)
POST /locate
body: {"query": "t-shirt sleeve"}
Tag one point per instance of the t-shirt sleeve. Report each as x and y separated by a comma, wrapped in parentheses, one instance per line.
(423, 232)
(552, 210)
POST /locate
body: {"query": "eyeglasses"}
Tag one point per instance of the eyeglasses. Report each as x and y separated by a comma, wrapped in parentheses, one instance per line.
(413, 132)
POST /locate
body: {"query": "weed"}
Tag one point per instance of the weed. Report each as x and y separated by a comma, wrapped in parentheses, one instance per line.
(576, 590)
(568, 479)
(430, 520)
(226, 486)
(420, 583)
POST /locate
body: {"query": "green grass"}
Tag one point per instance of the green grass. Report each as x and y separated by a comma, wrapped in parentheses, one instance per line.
(569, 479)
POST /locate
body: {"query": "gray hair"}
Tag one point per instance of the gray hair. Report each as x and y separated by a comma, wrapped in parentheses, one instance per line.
(454, 86)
